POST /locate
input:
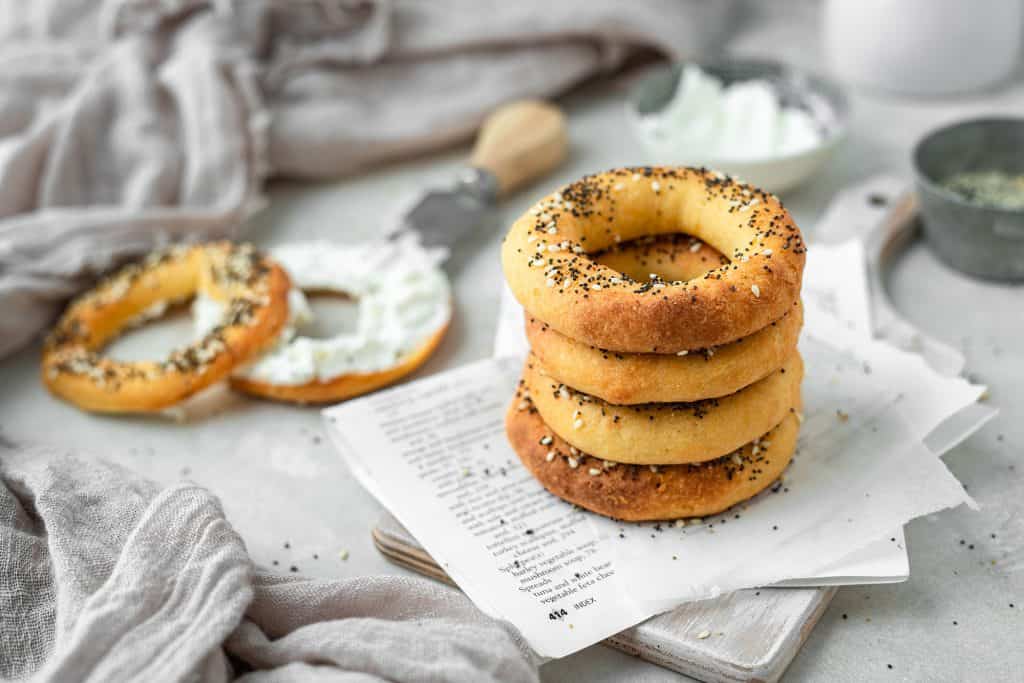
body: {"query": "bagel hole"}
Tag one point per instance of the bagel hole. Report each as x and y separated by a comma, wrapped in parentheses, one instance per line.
(334, 313)
(154, 339)
(670, 257)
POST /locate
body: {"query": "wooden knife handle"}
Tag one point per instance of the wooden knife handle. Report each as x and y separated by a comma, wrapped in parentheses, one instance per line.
(521, 141)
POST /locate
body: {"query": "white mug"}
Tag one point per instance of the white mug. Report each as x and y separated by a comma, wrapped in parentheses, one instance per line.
(923, 47)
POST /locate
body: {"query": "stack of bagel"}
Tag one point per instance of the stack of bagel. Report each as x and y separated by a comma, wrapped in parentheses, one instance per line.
(663, 314)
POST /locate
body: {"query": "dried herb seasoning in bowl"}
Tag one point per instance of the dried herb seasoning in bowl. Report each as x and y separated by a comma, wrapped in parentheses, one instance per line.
(970, 181)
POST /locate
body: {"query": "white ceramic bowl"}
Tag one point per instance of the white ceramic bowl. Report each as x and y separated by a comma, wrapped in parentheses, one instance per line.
(824, 101)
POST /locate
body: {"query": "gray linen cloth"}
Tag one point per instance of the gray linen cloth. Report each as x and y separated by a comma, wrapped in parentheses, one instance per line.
(126, 123)
(108, 577)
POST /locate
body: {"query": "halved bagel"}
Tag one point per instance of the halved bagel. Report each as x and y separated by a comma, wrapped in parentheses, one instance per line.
(252, 289)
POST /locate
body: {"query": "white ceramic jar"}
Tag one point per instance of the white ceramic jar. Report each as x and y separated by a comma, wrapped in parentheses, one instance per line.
(923, 47)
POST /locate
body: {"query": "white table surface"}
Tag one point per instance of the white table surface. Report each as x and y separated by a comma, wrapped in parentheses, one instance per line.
(281, 483)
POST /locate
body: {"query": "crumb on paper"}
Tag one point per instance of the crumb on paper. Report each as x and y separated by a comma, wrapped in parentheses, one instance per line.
(703, 635)
(343, 555)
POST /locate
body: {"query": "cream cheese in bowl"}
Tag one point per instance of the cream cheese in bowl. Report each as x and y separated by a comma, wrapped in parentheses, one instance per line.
(741, 121)
(766, 122)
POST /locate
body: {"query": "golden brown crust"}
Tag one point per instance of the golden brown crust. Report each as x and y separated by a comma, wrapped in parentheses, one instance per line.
(631, 378)
(640, 492)
(547, 260)
(253, 287)
(664, 433)
(345, 386)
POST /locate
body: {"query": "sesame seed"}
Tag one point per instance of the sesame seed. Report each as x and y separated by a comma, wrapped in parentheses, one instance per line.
(577, 423)
(593, 471)
(695, 247)
(654, 468)
(550, 282)
(595, 286)
(766, 252)
(523, 405)
(550, 456)
(572, 449)
(756, 290)
(656, 186)
(682, 353)
(573, 463)
(537, 262)
(552, 230)
(546, 440)
(696, 521)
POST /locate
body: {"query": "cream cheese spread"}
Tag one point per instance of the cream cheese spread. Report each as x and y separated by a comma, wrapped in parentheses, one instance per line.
(402, 295)
(742, 121)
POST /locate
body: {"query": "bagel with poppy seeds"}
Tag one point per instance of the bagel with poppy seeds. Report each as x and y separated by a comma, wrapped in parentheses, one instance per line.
(632, 378)
(548, 260)
(648, 492)
(253, 291)
(404, 306)
(663, 433)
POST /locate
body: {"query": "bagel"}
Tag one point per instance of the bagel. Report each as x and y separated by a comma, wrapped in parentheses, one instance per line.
(642, 493)
(664, 433)
(253, 291)
(547, 257)
(404, 303)
(631, 378)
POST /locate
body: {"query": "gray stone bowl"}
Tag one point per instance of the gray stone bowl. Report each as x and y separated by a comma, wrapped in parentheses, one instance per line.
(978, 240)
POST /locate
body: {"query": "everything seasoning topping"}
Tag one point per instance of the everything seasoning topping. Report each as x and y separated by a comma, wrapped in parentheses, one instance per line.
(746, 461)
(237, 271)
(568, 269)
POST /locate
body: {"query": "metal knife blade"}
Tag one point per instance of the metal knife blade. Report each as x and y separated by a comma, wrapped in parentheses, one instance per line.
(518, 142)
(444, 217)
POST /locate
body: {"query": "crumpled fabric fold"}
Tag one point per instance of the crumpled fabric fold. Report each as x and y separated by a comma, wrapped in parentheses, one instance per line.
(105, 576)
(125, 124)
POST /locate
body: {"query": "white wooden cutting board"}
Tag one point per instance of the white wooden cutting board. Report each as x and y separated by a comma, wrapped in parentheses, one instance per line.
(754, 633)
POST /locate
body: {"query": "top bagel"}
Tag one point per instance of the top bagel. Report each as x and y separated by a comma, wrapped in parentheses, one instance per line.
(547, 260)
